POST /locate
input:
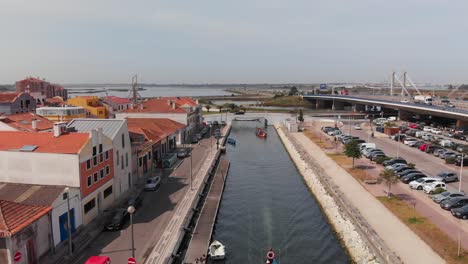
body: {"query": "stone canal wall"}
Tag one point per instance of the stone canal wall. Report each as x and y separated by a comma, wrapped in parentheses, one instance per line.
(363, 245)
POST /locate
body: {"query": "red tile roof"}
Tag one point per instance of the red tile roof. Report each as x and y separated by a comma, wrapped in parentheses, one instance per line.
(8, 97)
(67, 143)
(14, 216)
(57, 100)
(153, 128)
(117, 100)
(32, 79)
(23, 122)
(181, 101)
(156, 105)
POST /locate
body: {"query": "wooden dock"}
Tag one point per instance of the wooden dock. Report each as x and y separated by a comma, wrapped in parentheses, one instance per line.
(201, 237)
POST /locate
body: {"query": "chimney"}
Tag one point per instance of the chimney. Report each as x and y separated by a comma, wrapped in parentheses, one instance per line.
(100, 135)
(196, 101)
(34, 123)
(57, 130)
(93, 137)
(173, 105)
(169, 102)
(141, 106)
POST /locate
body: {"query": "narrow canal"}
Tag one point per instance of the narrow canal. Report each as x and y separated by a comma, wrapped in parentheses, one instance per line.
(266, 204)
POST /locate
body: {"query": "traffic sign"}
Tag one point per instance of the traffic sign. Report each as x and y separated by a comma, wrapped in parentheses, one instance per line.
(17, 256)
(323, 86)
(131, 260)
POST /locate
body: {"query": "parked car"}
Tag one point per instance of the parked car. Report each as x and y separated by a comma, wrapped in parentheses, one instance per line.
(195, 140)
(446, 154)
(437, 198)
(431, 148)
(135, 200)
(440, 151)
(447, 176)
(393, 161)
(119, 217)
(152, 183)
(427, 137)
(223, 123)
(431, 187)
(375, 156)
(459, 161)
(456, 202)
(372, 151)
(412, 177)
(182, 153)
(436, 131)
(395, 166)
(327, 128)
(403, 169)
(406, 172)
(408, 141)
(461, 212)
(427, 129)
(459, 136)
(357, 127)
(423, 147)
(421, 182)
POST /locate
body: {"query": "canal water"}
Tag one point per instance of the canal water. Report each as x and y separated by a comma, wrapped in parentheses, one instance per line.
(266, 204)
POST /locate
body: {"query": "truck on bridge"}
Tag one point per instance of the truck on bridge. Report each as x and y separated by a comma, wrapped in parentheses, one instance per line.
(423, 99)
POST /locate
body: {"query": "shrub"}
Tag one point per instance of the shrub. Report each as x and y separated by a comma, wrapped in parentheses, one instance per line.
(438, 190)
(450, 160)
(380, 160)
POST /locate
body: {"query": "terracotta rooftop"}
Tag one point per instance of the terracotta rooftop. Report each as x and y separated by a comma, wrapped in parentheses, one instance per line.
(57, 100)
(23, 122)
(14, 216)
(32, 79)
(153, 128)
(182, 101)
(67, 143)
(8, 97)
(118, 100)
(155, 105)
(30, 194)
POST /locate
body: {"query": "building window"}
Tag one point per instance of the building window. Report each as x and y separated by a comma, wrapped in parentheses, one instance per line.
(89, 206)
(107, 155)
(95, 177)
(88, 164)
(107, 170)
(89, 181)
(94, 151)
(101, 158)
(117, 158)
(108, 191)
(126, 160)
(123, 140)
(95, 160)
(102, 173)
(121, 162)
(140, 162)
(100, 148)
(149, 155)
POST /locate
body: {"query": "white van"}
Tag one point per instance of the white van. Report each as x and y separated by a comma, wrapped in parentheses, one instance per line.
(367, 145)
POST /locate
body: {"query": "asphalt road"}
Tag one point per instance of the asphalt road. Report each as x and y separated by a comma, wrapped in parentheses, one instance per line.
(152, 217)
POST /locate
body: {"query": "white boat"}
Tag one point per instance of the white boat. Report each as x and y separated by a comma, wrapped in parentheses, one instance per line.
(216, 250)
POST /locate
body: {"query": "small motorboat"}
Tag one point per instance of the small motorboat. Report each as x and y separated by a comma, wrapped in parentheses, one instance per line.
(271, 257)
(231, 141)
(260, 133)
(216, 250)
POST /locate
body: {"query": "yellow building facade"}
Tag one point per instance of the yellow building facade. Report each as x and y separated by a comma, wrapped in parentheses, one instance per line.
(93, 106)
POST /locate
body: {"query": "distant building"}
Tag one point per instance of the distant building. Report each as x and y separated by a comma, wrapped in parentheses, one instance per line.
(14, 103)
(115, 104)
(184, 110)
(77, 160)
(117, 131)
(61, 114)
(25, 122)
(93, 106)
(41, 89)
(25, 230)
(55, 101)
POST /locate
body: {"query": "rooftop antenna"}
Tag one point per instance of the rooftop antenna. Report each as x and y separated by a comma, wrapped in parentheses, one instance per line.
(134, 95)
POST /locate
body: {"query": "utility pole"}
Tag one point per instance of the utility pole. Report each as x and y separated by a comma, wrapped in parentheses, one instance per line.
(134, 95)
(392, 81)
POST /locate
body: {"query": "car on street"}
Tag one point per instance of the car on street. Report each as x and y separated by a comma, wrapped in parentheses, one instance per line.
(412, 177)
(461, 212)
(119, 217)
(421, 182)
(135, 200)
(152, 183)
(393, 161)
(182, 153)
(437, 198)
(405, 101)
(447, 176)
(431, 187)
(357, 127)
(456, 202)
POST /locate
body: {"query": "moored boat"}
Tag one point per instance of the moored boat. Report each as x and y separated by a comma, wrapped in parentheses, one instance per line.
(216, 250)
(231, 141)
(260, 133)
(271, 257)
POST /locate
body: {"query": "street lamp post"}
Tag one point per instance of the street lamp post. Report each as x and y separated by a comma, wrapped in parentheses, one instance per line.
(211, 137)
(70, 246)
(191, 152)
(461, 171)
(131, 211)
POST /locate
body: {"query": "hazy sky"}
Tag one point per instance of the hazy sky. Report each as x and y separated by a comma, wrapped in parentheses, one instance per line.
(242, 41)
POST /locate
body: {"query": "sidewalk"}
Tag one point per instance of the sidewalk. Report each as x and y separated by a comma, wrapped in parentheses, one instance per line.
(407, 245)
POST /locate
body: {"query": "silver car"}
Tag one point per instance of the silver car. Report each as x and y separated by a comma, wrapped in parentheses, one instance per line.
(447, 176)
(438, 198)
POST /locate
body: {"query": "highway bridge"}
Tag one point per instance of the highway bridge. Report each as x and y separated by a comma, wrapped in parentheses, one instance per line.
(361, 104)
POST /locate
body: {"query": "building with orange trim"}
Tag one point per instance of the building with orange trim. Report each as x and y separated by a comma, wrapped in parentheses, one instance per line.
(93, 106)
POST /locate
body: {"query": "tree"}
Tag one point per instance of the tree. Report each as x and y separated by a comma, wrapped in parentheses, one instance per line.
(352, 150)
(389, 178)
(301, 116)
(293, 91)
(208, 107)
